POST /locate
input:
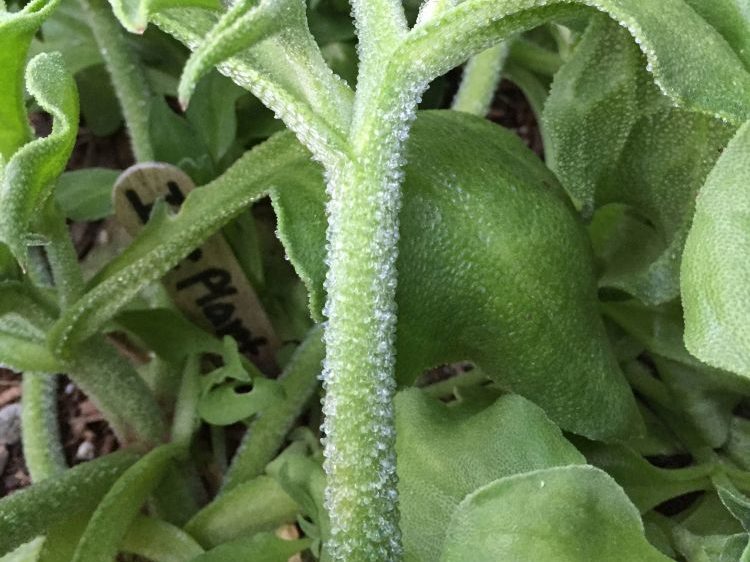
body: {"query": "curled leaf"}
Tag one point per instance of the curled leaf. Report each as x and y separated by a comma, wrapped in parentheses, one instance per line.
(231, 393)
(29, 175)
(16, 32)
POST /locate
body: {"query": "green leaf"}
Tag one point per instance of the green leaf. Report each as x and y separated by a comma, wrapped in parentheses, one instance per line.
(28, 552)
(135, 14)
(493, 268)
(167, 239)
(263, 547)
(100, 108)
(176, 141)
(86, 195)
(16, 31)
(212, 113)
(447, 452)
(168, 333)
(159, 541)
(299, 382)
(30, 512)
(65, 22)
(731, 19)
(236, 392)
(252, 507)
(109, 523)
(244, 24)
(564, 514)
(29, 175)
(716, 264)
(735, 501)
(645, 484)
(711, 79)
(303, 91)
(614, 139)
(700, 396)
(24, 319)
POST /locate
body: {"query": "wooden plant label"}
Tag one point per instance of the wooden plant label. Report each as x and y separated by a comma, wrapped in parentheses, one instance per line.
(208, 285)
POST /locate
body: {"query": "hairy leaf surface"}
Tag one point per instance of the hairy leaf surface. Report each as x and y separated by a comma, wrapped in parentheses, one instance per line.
(615, 139)
(716, 264)
(564, 514)
(447, 452)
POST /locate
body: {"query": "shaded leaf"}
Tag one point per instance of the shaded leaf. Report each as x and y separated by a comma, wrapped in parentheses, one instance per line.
(614, 139)
(263, 547)
(252, 507)
(119, 507)
(158, 540)
(86, 195)
(212, 113)
(645, 484)
(30, 512)
(134, 14)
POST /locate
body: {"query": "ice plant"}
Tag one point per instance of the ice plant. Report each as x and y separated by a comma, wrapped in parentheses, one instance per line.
(422, 238)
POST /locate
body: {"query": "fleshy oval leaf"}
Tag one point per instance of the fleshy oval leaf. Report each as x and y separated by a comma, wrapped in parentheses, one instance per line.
(716, 263)
(564, 514)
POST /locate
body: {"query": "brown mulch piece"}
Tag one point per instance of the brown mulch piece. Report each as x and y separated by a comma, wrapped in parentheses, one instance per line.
(83, 432)
(512, 110)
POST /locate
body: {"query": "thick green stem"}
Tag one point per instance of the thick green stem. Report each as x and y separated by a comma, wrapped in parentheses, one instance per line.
(128, 78)
(266, 436)
(365, 197)
(480, 80)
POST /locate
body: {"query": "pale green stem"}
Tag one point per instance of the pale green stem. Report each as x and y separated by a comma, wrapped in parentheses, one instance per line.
(128, 78)
(535, 58)
(446, 388)
(42, 449)
(365, 196)
(266, 436)
(108, 379)
(381, 27)
(480, 80)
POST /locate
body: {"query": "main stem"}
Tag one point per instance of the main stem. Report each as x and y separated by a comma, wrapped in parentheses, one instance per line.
(365, 197)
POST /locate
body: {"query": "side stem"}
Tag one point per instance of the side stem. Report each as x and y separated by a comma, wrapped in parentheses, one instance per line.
(128, 78)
